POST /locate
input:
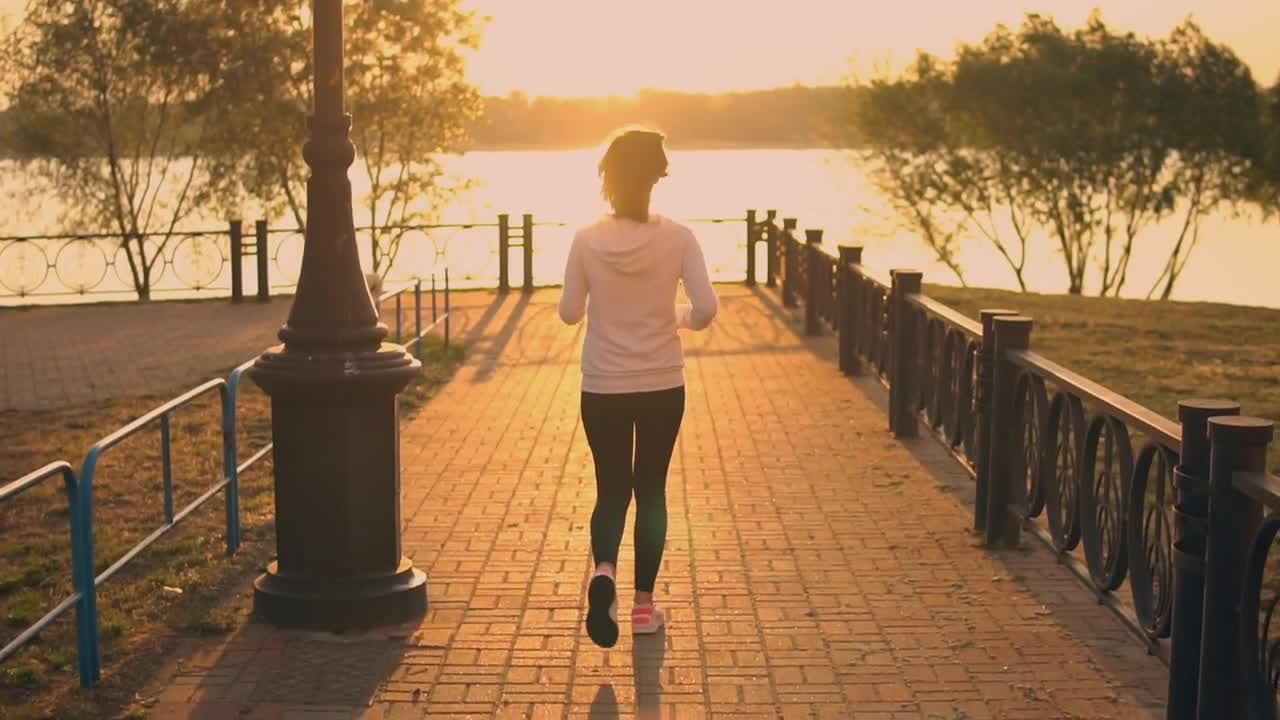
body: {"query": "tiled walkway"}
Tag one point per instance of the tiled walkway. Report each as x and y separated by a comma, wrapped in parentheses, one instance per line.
(54, 357)
(816, 568)
(60, 356)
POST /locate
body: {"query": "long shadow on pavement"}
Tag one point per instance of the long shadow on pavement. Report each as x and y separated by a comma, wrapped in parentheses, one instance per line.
(647, 657)
(1034, 568)
(273, 673)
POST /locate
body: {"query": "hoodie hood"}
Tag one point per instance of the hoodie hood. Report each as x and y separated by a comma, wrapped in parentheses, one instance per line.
(628, 246)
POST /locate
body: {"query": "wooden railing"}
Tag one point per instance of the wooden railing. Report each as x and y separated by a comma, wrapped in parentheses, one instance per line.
(1122, 495)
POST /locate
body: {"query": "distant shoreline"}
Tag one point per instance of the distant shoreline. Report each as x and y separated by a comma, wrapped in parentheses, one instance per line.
(570, 147)
(671, 145)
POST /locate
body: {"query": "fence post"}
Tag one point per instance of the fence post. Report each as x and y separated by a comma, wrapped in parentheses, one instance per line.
(1004, 520)
(237, 261)
(903, 383)
(790, 259)
(771, 248)
(447, 315)
(526, 244)
(753, 231)
(845, 335)
(230, 469)
(504, 248)
(1236, 444)
(813, 249)
(264, 284)
(1190, 532)
(983, 413)
(417, 316)
(399, 312)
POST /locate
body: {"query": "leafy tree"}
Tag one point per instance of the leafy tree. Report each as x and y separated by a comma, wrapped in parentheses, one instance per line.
(1265, 190)
(1217, 132)
(406, 90)
(107, 95)
(1090, 136)
(1132, 146)
(986, 177)
(1060, 174)
(901, 128)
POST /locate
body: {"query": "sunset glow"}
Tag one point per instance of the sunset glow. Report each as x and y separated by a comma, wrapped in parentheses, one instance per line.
(586, 48)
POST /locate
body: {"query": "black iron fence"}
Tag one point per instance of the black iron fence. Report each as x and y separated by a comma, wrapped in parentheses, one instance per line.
(1125, 497)
(258, 261)
(241, 261)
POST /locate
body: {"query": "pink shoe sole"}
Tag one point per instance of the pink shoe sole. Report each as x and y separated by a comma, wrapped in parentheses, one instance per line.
(647, 620)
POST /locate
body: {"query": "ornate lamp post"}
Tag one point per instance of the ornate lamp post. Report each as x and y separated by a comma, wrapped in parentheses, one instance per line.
(333, 386)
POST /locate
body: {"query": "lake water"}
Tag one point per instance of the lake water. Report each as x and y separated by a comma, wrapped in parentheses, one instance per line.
(1237, 261)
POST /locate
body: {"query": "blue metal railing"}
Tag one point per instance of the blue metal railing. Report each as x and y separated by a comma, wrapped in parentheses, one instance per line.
(89, 646)
(437, 318)
(81, 567)
(79, 489)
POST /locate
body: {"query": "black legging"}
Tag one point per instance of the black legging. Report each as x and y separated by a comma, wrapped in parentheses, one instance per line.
(610, 421)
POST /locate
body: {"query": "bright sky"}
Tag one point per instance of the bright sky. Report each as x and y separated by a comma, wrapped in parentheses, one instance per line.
(604, 47)
(601, 47)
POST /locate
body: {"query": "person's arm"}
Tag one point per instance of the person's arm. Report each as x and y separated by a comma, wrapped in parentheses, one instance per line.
(702, 306)
(573, 300)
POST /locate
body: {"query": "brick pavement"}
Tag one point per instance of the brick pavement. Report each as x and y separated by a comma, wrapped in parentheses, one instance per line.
(816, 568)
(59, 356)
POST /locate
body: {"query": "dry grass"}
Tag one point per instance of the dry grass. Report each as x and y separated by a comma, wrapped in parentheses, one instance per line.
(1155, 353)
(140, 621)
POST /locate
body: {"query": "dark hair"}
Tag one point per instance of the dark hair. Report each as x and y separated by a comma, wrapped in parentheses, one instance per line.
(634, 161)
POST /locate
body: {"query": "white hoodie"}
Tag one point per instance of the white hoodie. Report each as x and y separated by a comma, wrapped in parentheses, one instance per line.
(631, 270)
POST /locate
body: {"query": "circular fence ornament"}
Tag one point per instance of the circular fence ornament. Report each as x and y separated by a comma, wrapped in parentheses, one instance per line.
(1060, 468)
(965, 401)
(287, 255)
(81, 265)
(23, 267)
(1031, 402)
(1104, 485)
(149, 254)
(1150, 541)
(1259, 626)
(197, 261)
(944, 383)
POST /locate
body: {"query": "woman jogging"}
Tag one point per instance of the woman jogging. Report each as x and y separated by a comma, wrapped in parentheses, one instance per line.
(622, 273)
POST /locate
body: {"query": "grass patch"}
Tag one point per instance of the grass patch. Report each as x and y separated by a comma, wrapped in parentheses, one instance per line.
(140, 620)
(1154, 353)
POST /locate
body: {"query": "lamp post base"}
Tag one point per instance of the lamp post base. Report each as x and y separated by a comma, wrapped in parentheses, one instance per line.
(360, 603)
(335, 427)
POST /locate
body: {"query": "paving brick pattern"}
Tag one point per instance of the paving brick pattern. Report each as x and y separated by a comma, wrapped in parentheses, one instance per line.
(54, 357)
(61, 356)
(815, 567)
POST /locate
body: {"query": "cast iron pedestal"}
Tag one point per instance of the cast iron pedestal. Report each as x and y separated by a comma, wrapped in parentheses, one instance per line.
(333, 386)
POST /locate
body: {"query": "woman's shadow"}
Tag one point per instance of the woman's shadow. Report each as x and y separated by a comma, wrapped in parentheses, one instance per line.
(647, 655)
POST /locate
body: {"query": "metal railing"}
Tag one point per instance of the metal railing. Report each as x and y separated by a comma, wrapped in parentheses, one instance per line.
(82, 589)
(211, 263)
(1180, 521)
(79, 487)
(438, 318)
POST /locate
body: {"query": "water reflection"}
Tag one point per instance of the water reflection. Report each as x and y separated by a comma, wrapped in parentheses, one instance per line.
(821, 188)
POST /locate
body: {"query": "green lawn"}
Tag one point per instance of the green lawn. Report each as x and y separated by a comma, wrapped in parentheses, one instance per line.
(1155, 353)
